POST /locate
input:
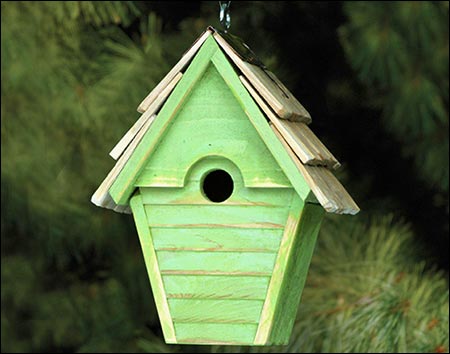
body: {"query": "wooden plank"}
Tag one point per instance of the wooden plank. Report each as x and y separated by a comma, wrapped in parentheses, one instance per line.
(274, 92)
(216, 261)
(260, 123)
(328, 190)
(215, 287)
(326, 184)
(148, 114)
(124, 186)
(304, 133)
(295, 273)
(223, 239)
(101, 197)
(300, 138)
(262, 225)
(211, 214)
(269, 197)
(215, 311)
(153, 270)
(180, 66)
(279, 274)
(125, 182)
(217, 126)
(212, 333)
(216, 273)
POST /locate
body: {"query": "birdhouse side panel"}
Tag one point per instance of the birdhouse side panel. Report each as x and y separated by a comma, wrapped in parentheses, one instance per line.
(288, 280)
(153, 271)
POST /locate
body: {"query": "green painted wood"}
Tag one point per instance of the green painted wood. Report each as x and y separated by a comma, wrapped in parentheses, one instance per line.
(217, 126)
(265, 145)
(123, 187)
(212, 333)
(211, 121)
(216, 261)
(298, 266)
(220, 239)
(215, 311)
(215, 287)
(289, 275)
(153, 271)
(160, 215)
(260, 124)
(232, 138)
(279, 273)
(270, 197)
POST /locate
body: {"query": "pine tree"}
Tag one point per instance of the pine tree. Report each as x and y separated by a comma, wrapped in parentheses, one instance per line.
(400, 50)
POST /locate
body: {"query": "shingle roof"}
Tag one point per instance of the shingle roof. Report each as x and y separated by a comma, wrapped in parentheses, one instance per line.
(285, 114)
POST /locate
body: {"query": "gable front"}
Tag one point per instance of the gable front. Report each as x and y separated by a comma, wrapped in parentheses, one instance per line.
(210, 113)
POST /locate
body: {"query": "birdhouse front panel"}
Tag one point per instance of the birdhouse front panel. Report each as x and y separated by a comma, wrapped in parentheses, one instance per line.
(216, 208)
(228, 187)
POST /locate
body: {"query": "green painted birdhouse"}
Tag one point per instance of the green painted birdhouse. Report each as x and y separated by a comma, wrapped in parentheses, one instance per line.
(227, 186)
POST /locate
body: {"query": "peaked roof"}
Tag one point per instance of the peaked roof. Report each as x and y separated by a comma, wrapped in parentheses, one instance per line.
(285, 119)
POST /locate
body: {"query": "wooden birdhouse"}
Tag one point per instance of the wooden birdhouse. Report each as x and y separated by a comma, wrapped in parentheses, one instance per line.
(227, 185)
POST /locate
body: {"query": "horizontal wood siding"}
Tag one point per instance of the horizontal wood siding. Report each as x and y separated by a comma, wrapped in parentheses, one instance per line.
(269, 197)
(247, 262)
(211, 333)
(215, 311)
(215, 287)
(261, 217)
(218, 239)
(216, 259)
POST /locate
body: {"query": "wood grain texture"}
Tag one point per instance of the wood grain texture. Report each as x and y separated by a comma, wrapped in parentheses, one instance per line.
(279, 274)
(210, 214)
(123, 186)
(328, 190)
(212, 123)
(289, 275)
(153, 269)
(215, 333)
(296, 272)
(263, 225)
(220, 239)
(301, 135)
(216, 273)
(268, 197)
(102, 197)
(125, 183)
(148, 114)
(216, 261)
(215, 287)
(274, 92)
(300, 138)
(180, 66)
(215, 311)
(259, 122)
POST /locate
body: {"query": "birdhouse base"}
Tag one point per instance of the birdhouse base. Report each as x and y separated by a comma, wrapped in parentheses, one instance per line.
(228, 285)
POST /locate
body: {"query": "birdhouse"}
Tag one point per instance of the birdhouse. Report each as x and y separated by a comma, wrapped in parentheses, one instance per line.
(227, 185)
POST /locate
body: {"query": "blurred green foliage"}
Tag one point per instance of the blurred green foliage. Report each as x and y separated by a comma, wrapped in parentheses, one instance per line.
(73, 277)
(401, 51)
(366, 295)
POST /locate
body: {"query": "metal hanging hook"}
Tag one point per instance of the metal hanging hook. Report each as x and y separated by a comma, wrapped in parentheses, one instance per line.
(225, 16)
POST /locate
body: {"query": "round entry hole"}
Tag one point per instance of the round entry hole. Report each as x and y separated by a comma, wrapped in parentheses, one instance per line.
(218, 186)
